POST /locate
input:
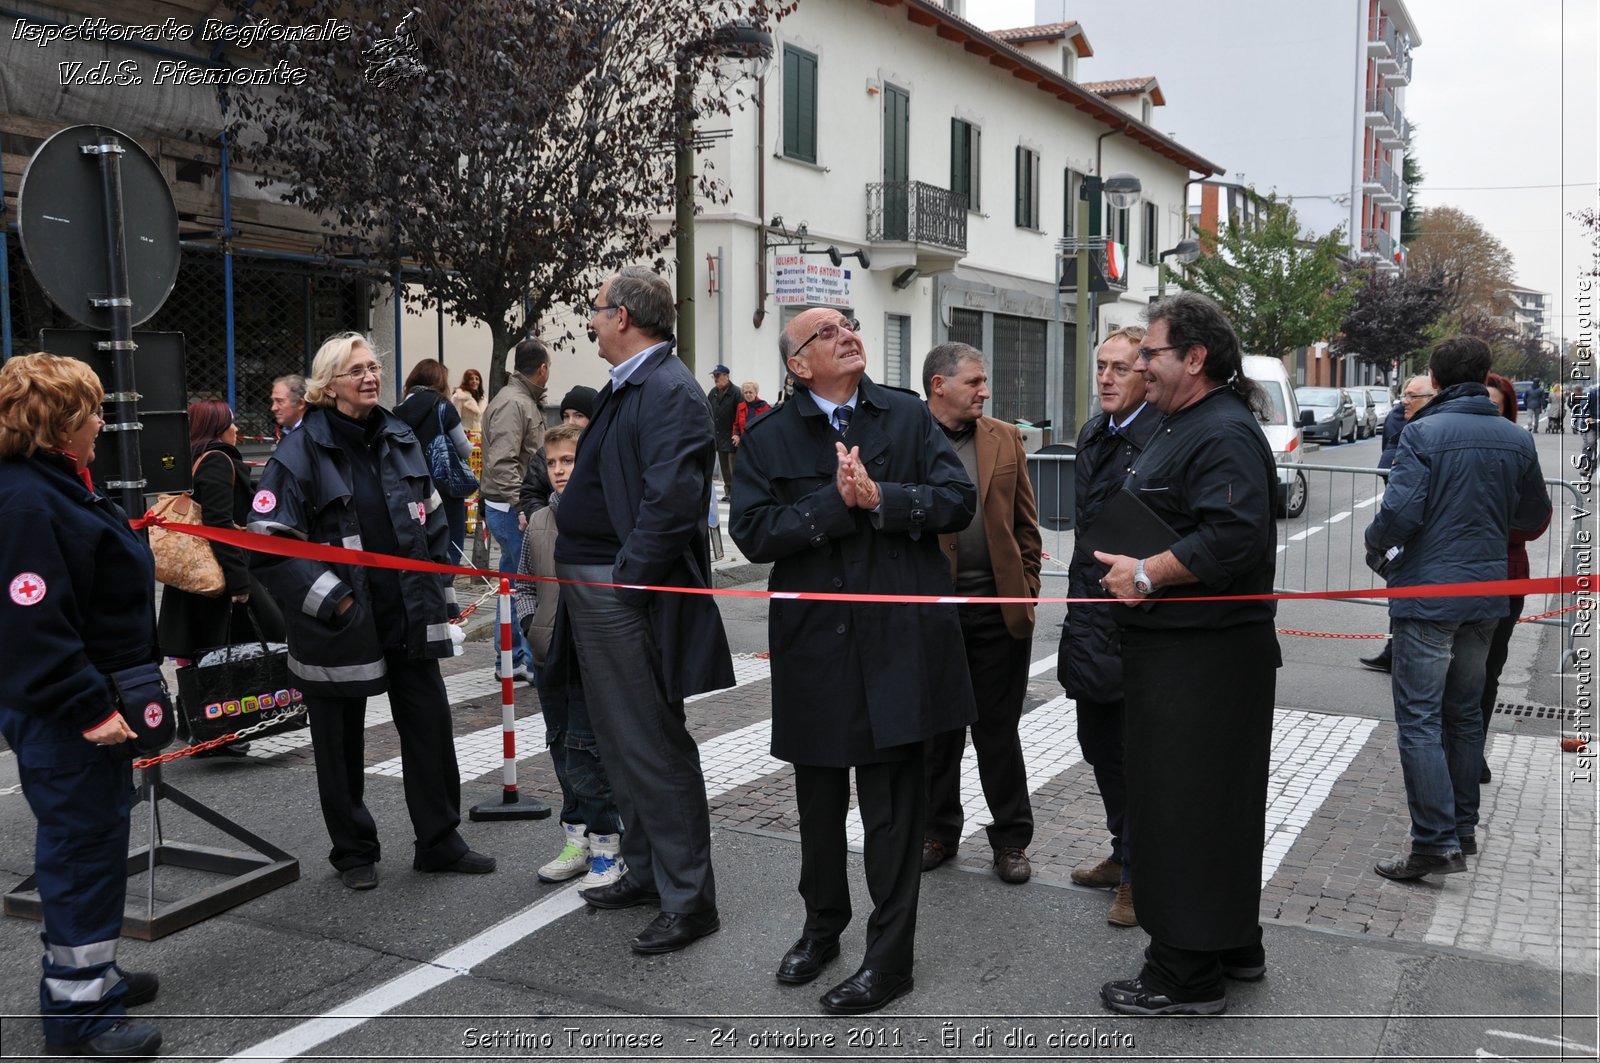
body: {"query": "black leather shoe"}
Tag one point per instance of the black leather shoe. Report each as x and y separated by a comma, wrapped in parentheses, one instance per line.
(671, 931)
(361, 877)
(1133, 997)
(805, 960)
(1380, 663)
(866, 990)
(1469, 845)
(1415, 865)
(128, 1039)
(623, 893)
(142, 988)
(470, 863)
(934, 853)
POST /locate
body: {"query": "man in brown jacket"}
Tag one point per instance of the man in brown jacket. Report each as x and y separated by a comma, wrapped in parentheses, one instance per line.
(997, 555)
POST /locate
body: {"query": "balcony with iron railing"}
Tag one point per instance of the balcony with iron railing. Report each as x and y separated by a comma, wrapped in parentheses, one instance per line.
(1378, 242)
(1394, 129)
(1383, 40)
(929, 221)
(1379, 180)
(1381, 111)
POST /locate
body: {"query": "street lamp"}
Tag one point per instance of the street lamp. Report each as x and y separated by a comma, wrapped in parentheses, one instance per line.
(1121, 191)
(739, 39)
(1186, 252)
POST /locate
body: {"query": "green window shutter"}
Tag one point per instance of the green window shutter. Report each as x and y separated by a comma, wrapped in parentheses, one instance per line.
(799, 104)
(958, 156)
(1021, 161)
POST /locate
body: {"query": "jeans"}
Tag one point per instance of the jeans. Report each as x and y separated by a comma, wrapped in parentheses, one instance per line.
(503, 526)
(585, 791)
(1437, 680)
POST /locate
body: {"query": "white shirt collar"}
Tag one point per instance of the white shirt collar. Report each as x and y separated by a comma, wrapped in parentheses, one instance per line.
(622, 372)
(828, 407)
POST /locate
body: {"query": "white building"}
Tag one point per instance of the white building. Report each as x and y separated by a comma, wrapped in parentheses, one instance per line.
(951, 159)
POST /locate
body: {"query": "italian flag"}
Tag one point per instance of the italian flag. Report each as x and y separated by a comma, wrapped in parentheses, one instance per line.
(1116, 261)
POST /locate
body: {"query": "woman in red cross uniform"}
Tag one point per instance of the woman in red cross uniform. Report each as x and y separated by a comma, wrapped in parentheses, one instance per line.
(79, 605)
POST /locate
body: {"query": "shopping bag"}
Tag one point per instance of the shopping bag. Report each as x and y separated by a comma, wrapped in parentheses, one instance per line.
(234, 687)
(185, 561)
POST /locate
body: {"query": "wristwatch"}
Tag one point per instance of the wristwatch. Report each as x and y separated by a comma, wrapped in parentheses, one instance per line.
(1141, 581)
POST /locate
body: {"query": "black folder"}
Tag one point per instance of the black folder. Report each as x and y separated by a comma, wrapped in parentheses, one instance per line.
(1127, 526)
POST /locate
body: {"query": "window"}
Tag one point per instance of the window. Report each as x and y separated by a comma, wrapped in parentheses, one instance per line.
(1017, 381)
(1069, 212)
(1027, 188)
(1150, 249)
(897, 352)
(964, 139)
(1116, 229)
(1146, 110)
(1069, 63)
(799, 104)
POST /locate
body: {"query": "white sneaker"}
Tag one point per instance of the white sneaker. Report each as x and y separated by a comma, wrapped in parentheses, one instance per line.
(605, 861)
(572, 860)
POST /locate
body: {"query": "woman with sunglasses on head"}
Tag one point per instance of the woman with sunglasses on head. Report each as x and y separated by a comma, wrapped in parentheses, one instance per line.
(193, 623)
(354, 475)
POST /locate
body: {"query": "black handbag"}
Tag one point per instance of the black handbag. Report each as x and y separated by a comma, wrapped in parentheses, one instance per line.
(237, 686)
(450, 474)
(142, 699)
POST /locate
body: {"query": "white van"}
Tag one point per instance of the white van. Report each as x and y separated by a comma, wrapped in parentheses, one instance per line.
(1282, 426)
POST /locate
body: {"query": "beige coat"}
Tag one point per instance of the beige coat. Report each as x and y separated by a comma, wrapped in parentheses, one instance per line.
(470, 409)
(513, 429)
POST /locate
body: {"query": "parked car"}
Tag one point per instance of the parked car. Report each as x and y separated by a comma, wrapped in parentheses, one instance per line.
(1382, 403)
(1281, 423)
(1367, 419)
(1524, 389)
(1333, 414)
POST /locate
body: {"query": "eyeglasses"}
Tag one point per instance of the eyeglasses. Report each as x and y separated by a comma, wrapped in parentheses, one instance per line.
(361, 372)
(1148, 353)
(830, 330)
(1411, 397)
(595, 308)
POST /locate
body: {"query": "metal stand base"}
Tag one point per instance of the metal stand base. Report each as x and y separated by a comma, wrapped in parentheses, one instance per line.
(512, 805)
(251, 874)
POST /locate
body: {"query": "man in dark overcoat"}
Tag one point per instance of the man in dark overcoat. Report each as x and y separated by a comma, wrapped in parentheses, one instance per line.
(634, 513)
(1198, 676)
(846, 488)
(1091, 646)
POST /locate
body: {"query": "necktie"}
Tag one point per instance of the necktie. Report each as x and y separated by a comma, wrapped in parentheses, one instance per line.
(842, 415)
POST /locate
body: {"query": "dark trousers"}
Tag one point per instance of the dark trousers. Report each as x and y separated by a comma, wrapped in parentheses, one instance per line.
(1499, 650)
(1100, 738)
(575, 754)
(421, 713)
(998, 664)
(455, 515)
(79, 793)
(1195, 974)
(651, 759)
(725, 459)
(892, 797)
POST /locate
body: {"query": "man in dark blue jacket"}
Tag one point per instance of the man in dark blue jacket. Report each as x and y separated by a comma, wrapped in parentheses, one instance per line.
(634, 515)
(1463, 478)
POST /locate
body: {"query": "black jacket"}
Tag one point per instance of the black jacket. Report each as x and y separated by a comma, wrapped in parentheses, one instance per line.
(1091, 644)
(653, 449)
(306, 493)
(192, 623)
(724, 406)
(80, 597)
(850, 680)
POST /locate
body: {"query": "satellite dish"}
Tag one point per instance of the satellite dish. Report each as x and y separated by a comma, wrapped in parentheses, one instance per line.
(61, 220)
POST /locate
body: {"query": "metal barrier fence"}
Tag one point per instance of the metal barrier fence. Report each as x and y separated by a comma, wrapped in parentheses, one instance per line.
(1323, 548)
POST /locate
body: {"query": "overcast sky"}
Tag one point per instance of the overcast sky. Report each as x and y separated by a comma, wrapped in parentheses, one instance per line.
(1504, 96)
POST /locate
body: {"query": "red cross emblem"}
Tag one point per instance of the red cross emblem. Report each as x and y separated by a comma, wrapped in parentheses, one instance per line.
(28, 588)
(153, 714)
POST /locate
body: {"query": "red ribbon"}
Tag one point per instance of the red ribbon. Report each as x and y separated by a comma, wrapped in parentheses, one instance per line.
(283, 546)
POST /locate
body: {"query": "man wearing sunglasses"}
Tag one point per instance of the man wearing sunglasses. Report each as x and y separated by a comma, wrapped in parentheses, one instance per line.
(846, 489)
(1199, 676)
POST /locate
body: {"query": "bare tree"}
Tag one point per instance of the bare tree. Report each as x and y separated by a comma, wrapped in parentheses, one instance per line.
(514, 152)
